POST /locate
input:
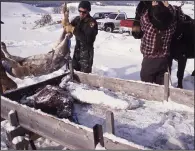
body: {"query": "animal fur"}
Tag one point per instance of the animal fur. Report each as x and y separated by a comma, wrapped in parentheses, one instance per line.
(41, 64)
(6, 83)
(38, 65)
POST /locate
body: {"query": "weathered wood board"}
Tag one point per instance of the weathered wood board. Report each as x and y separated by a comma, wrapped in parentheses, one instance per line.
(138, 89)
(70, 135)
(64, 132)
(151, 92)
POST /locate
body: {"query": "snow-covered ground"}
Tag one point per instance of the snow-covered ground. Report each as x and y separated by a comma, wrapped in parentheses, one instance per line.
(116, 55)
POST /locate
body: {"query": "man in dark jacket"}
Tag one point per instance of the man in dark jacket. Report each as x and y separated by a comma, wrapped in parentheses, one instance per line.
(85, 29)
(158, 26)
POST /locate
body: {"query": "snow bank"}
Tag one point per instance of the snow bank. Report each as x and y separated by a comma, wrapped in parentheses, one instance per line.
(152, 125)
(17, 139)
(93, 96)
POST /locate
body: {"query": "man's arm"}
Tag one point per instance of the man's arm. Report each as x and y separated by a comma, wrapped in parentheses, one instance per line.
(143, 22)
(88, 36)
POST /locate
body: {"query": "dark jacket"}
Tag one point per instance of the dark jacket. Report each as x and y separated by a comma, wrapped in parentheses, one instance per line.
(183, 39)
(85, 30)
(85, 33)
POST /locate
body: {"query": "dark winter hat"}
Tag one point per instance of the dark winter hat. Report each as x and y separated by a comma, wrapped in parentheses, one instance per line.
(85, 5)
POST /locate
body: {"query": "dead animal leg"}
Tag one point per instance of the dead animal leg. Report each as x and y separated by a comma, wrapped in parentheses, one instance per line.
(63, 47)
(6, 83)
(21, 71)
(4, 48)
(8, 55)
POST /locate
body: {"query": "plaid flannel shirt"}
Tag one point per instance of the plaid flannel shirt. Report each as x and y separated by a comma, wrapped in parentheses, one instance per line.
(149, 37)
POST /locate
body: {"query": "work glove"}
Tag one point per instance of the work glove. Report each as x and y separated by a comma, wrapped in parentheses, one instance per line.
(136, 28)
(137, 33)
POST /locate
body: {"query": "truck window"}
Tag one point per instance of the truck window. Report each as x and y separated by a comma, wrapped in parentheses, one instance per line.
(96, 15)
(106, 15)
(112, 16)
(101, 15)
(121, 17)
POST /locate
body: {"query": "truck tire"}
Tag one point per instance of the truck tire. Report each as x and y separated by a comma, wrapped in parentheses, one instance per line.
(109, 29)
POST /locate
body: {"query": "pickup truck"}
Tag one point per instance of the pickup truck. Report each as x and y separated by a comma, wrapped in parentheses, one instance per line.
(112, 22)
(101, 15)
(126, 25)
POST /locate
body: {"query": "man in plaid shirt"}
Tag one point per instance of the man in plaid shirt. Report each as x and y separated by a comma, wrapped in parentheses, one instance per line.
(155, 43)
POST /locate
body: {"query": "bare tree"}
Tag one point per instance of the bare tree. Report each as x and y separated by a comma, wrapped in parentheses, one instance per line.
(57, 10)
(72, 9)
(45, 19)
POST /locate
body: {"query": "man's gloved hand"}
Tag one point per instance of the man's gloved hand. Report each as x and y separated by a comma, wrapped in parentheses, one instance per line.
(137, 33)
(69, 28)
(136, 29)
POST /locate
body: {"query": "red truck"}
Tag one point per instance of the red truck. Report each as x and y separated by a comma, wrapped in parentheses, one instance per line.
(126, 25)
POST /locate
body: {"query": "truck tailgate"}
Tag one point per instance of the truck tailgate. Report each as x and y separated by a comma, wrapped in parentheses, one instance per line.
(127, 23)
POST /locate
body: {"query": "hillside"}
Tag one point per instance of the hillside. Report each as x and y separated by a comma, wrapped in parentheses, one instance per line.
(10, 9)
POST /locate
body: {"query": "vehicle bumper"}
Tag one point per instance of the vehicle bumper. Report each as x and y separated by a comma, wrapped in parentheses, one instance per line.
(125, 29)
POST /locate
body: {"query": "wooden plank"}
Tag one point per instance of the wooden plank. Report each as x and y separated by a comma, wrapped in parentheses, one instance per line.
(64, 133)
(134, 88)
(166, 86)
(110, 122)
(71, 69)
(98, 135)
(2, 119)
(114, 144)
(32, 144)
(12, 118)
(18, 131)
(33, 136)
(181, 96)
(117, 146)
(138, 89)
(30, 90)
